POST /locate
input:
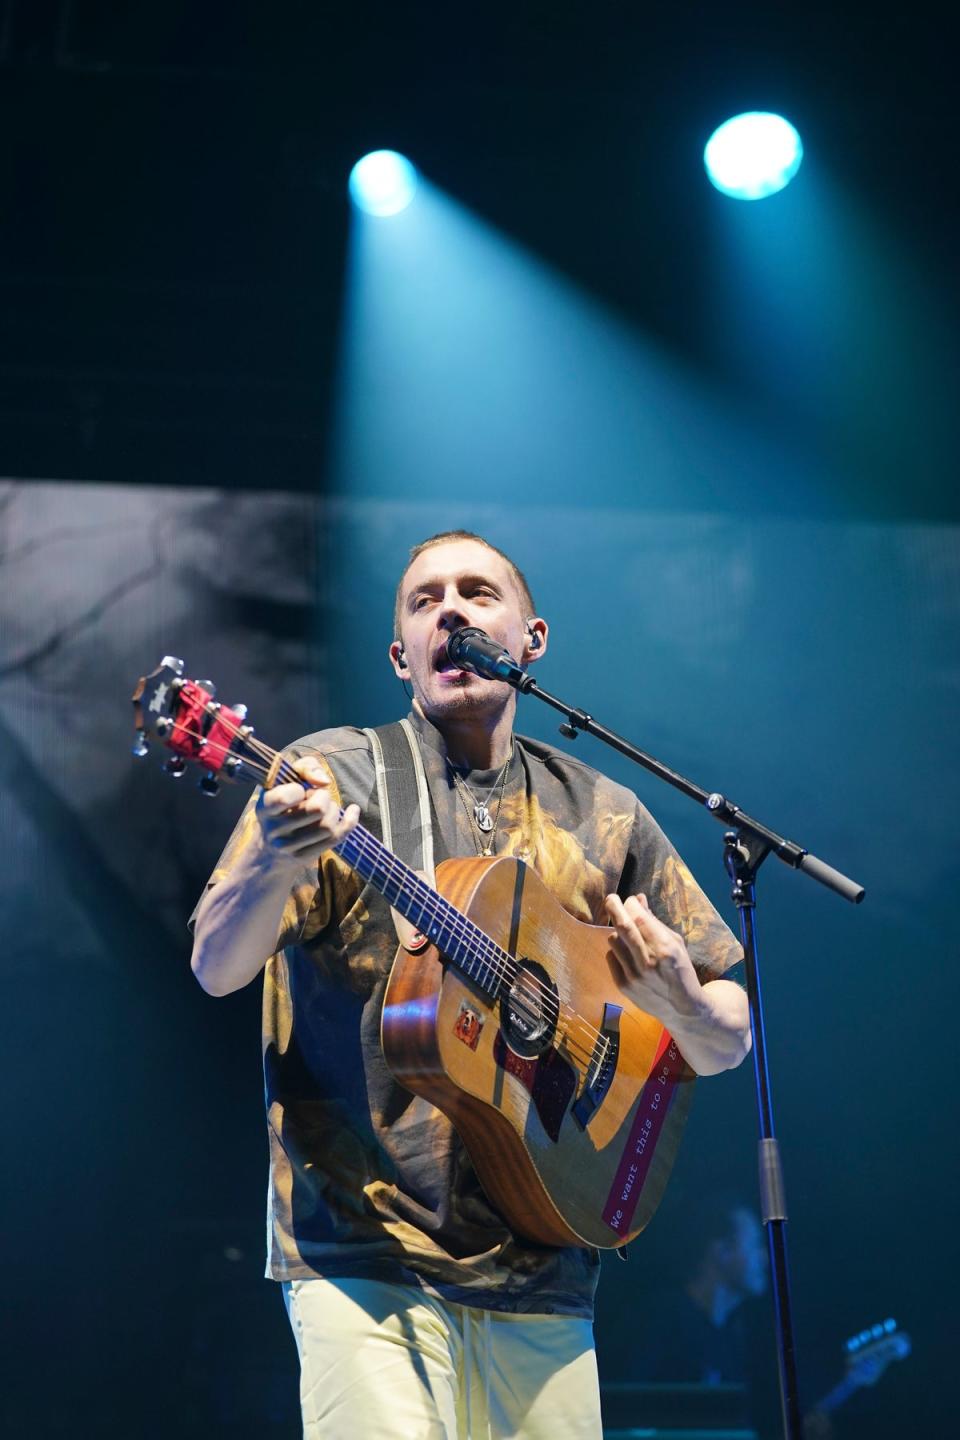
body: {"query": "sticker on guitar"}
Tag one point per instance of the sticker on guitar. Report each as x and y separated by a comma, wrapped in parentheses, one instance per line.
(469, 1023)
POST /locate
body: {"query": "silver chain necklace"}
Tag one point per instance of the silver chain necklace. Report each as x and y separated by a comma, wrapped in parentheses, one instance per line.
(484, 821)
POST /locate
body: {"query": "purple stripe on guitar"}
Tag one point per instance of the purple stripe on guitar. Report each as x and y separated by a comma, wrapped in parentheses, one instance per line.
(655, 1100)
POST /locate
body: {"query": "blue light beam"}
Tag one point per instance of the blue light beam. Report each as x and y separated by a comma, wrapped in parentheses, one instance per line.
(753, 155)
(383, 183)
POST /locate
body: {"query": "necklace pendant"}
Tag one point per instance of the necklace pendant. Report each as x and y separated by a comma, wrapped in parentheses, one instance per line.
(483, 818)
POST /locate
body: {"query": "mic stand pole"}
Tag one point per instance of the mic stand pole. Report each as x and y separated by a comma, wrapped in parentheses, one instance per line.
(746, 845)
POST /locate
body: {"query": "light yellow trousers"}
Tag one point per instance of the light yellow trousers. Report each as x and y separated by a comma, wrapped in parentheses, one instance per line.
(393, 1362)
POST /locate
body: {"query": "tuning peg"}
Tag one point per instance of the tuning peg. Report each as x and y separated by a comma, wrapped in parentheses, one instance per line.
(170, 662)
(240, 711)
(175, 766)
(209, 686)
(209, 783)
(140, 746)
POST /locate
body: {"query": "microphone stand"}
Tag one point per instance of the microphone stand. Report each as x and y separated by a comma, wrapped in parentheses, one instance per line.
(746, 844)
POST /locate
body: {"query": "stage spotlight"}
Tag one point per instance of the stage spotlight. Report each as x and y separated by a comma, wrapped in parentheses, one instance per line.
(383, 183)
(753, 155)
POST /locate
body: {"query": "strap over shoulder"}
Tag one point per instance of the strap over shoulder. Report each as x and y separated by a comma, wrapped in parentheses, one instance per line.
(403, 795)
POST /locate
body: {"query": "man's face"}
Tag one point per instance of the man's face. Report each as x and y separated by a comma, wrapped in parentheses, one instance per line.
(453, 584)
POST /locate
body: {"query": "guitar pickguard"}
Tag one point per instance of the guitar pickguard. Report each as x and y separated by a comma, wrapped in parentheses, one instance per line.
(549, 1080)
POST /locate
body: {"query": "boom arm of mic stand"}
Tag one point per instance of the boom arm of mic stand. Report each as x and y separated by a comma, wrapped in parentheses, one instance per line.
(722, 809)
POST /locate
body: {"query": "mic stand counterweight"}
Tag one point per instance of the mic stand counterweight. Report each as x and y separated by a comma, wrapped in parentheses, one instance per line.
(746, 846)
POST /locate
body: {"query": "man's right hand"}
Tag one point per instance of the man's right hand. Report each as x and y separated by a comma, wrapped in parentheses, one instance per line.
(240, 917)
(298, 822)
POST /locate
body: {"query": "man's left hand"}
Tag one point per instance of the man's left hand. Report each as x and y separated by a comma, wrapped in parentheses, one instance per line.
(651, 963)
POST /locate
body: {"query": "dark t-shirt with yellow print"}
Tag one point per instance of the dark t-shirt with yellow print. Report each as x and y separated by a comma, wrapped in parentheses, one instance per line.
(367, 1180)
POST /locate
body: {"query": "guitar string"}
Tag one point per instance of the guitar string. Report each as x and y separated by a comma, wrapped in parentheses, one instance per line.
(464, 931)
(470, 938)
(462, 928)
(494, 958)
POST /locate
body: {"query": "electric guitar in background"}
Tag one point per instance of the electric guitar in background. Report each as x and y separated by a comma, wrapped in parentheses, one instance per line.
(503, 1012)
(867, 1356)
(674, 1407)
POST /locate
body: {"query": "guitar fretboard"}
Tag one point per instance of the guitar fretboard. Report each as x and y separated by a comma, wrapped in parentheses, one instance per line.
(454, 934)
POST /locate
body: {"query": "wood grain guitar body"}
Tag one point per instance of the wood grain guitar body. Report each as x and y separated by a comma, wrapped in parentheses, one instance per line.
(569, 1099)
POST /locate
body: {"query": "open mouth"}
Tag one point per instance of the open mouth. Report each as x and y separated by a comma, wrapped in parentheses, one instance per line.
(444, 665)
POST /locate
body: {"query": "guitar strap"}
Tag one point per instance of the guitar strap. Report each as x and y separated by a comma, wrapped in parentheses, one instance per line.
(404, 798)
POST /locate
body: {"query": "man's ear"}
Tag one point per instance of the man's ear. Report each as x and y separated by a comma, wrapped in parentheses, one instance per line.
(535, 642)
(398, 660)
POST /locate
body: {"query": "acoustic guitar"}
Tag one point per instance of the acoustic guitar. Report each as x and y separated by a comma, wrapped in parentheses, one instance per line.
(502, 1011)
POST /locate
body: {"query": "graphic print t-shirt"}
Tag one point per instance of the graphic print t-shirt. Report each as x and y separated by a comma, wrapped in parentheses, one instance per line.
(366, 1179)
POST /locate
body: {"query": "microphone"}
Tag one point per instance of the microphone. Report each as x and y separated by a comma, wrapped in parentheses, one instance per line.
(471, 649)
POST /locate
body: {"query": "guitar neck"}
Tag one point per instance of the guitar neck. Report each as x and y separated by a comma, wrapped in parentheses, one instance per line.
(837, 1396)
(185, 716)
(455, 936)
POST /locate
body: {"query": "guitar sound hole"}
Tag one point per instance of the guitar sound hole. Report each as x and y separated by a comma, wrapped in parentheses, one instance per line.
(529, 1010)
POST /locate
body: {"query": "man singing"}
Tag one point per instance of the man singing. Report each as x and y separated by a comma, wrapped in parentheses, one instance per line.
(417, 1313)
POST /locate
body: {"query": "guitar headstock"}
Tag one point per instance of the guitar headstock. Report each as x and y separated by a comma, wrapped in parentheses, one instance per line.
(870, 1352)
(185, 717)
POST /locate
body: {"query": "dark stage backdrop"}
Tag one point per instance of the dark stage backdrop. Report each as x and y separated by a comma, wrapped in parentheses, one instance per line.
(809, 669)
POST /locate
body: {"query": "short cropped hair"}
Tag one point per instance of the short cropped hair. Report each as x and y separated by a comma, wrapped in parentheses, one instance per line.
(446, 537)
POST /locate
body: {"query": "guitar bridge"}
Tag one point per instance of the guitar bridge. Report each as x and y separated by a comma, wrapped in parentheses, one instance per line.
(603, 1065)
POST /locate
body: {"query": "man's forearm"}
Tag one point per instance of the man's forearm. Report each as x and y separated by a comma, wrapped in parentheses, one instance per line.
(239, 920)
(238, 923)
(714, 1033)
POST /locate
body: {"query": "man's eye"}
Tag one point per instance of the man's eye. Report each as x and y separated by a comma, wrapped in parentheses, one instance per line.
(420, 601)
